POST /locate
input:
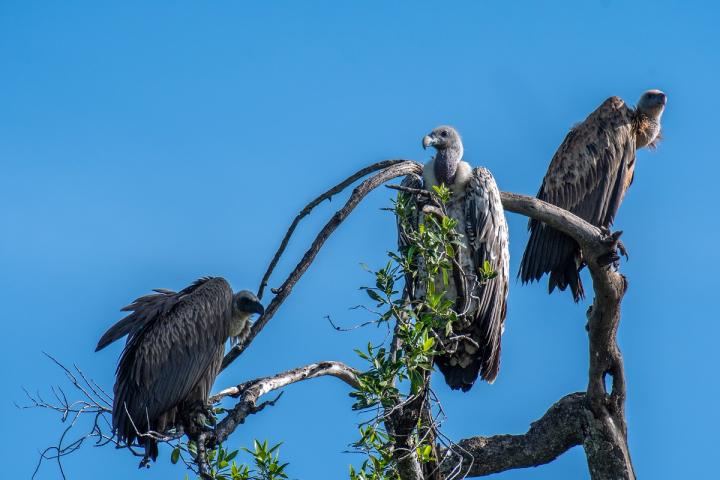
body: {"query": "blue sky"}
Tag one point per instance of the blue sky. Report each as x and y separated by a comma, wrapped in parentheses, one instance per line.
(143, 146)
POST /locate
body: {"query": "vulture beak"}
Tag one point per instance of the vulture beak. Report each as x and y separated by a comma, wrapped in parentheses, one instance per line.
(428, 141)
(256, 307)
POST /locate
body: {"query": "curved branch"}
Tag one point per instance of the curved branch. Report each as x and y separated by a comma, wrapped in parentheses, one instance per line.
(560, 219)
(309, 208)
(556, 432)
(605, 435)
(399, 169)
(250, 392)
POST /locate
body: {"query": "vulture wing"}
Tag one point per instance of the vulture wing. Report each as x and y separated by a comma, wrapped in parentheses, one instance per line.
(486, 239)
(480, 216)
(143, 309)
(174, 355)
(588, 176)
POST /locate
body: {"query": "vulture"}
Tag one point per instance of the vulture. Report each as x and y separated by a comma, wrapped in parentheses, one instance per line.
(173, 353)
(475, 205)
(589, 175)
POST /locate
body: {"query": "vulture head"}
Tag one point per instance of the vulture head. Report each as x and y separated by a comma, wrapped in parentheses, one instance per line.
(650, 108)
(652, 103)
(245, 303)
(446, 140)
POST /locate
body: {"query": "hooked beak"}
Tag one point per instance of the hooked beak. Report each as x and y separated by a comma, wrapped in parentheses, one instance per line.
(256, 307)
(428, 141)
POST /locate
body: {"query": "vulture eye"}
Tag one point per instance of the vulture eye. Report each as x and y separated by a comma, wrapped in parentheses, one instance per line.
(443, 133)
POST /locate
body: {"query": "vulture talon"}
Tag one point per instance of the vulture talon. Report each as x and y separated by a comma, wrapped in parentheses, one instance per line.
(623, 251)
(610, 258)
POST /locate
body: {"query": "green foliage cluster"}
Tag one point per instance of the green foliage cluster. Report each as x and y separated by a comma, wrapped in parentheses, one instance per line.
(396, 374)
(427, 258)
(223, 466)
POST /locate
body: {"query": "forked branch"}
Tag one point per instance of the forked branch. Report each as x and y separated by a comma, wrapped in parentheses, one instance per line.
(390, 169)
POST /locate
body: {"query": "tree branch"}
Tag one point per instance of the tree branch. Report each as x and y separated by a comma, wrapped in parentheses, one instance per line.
(397, 168)
(309, 208)
(250, 392)
(556, 432)
(597, 419)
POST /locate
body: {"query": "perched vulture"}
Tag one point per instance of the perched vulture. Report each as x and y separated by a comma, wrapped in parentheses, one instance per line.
(475, 205)
(173, 353)
(589, 175)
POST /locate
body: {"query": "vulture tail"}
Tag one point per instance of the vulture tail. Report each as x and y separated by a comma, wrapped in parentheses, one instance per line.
(151, 449)
(456, 377)
(553, 252)
(568, 274)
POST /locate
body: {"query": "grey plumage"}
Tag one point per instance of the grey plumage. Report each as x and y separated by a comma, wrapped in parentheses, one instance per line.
(589, 176)
(477, 207)
(173, 354)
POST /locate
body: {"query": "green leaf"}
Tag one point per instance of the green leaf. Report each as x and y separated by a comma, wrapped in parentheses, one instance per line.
(374, 295)
(175, 455)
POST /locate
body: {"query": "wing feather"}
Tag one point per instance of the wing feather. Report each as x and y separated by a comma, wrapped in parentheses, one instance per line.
(487, 239)
(588, 176)
(143, 309)
(173, 352)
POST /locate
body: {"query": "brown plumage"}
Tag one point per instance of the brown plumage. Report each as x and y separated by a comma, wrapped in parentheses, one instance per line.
(173, 354)
(589, 176)
(477, 208)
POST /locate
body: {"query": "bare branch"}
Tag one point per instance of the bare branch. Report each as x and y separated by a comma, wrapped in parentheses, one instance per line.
(603, 431)
(583, 232)
(397, 168)
(250, 392)
(556, 432)
(309, 208)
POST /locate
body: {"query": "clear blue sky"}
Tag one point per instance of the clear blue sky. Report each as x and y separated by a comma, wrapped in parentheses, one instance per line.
(143, 146)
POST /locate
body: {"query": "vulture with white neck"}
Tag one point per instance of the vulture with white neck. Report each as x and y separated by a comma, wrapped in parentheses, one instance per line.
(474, 348)
(589, 175)
(173, 353)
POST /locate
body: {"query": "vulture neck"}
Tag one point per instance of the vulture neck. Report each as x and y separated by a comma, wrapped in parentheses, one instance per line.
(648, 129)
(239, 324)
(463, 173)
(446, 165)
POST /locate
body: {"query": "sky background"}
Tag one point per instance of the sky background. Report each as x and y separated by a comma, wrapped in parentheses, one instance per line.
(143, 146)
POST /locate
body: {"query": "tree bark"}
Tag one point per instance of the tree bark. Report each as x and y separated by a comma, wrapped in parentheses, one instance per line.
(595, 419)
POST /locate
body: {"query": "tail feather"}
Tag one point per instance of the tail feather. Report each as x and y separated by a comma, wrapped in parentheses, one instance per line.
(568, 274)
(550, 251)
(456, 377)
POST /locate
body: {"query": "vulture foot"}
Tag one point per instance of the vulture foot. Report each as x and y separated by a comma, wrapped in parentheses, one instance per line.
(623, 251)
(612, 240)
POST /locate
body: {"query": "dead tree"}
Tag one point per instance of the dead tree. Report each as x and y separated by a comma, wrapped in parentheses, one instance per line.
(594, 419)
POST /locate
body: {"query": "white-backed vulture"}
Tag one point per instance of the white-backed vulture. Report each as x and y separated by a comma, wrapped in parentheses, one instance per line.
(475, 205)
(173, 353)
(589, 175)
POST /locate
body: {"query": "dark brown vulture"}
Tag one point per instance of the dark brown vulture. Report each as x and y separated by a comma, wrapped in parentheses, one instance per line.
(475, 205)
(589, 175)
(173, 353)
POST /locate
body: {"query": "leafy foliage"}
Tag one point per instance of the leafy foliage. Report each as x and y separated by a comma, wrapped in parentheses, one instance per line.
(432, 247)
(265, 461)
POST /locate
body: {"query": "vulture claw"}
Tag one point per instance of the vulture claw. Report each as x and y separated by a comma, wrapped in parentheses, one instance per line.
(623, 251)
(610, 258)
(613, 241)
